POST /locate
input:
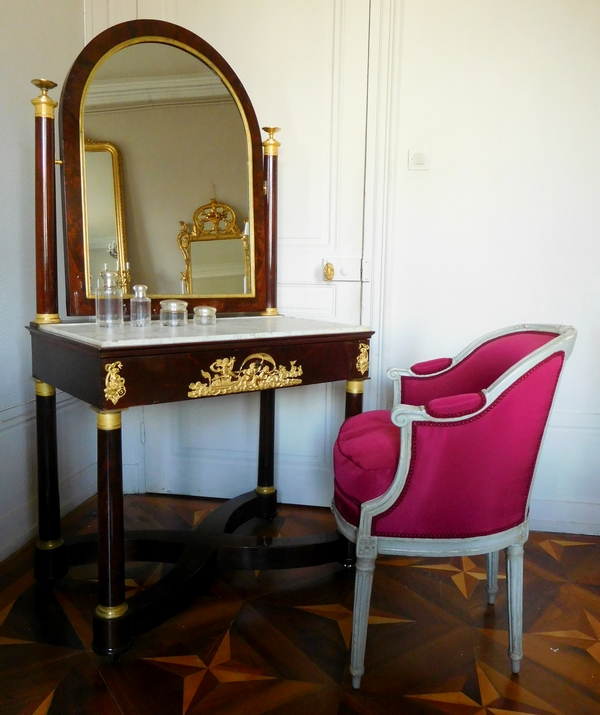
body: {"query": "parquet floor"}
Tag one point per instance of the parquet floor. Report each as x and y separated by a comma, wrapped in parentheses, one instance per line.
(277, 642)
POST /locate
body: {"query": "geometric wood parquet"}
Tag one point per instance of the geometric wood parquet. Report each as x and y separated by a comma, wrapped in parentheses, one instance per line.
(277, 642)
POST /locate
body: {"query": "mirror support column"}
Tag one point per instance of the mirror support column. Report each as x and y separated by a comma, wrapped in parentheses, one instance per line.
(271, 152)
(112, 620)
(46, 270)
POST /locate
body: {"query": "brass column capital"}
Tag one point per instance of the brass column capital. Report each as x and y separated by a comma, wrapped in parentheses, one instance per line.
(108, 420)
(355, 387)
(43, 389)
(44, 105)
(271, 145)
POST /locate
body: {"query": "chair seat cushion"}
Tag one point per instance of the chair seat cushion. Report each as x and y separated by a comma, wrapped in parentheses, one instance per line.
(365, 457)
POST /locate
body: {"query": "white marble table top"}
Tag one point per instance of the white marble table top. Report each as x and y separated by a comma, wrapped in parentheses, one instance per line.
(234, 329)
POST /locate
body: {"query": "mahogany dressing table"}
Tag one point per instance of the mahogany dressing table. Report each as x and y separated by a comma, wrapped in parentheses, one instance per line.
(252, 348)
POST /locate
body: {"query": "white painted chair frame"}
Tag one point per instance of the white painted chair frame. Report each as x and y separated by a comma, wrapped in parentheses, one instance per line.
(369, 547)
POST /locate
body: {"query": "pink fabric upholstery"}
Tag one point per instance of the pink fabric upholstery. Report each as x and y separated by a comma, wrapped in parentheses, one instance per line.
(466, 478)
(477, 371)
(472, 477)
(428, 367)
(365, 457)
(455, 405)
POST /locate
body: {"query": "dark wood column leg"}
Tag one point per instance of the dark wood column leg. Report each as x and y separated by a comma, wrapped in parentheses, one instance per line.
(50, 560)
(112, 621)
(265, 489)
(354, 397)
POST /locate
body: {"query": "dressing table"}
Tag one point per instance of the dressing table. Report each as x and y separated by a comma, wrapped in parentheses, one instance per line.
(252, 347)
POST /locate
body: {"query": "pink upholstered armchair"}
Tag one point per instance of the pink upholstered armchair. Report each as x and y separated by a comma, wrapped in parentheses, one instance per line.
(448, 472)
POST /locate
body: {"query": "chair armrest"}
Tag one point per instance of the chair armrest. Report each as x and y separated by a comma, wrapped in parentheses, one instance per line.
(401, 414)
(456, 405)
(426, 368)
(440, 409)
(430, 367)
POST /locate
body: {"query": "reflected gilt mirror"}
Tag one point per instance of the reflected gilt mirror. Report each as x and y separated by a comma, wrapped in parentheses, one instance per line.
(104, 216)
(216, 252)
(179, 130)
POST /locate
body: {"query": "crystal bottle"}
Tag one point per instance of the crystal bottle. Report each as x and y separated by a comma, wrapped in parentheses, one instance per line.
(109, 301)
(140, 308)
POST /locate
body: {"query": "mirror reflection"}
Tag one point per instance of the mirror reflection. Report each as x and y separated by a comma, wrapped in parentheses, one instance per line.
(215, 251)
(181, 138)
(106, 237)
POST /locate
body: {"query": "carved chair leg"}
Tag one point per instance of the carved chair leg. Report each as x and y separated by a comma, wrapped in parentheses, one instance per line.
(492, 576)
(362, 598)
(514, 578)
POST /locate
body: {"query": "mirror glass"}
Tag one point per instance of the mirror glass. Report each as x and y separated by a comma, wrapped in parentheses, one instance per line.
(104, 209)
(182, 141)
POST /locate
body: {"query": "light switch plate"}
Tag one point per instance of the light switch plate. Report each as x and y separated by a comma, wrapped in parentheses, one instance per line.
(419, 159)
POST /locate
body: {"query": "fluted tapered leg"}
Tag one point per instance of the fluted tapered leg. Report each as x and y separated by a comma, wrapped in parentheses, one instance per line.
(492, 575)
(514, 577)
(362, 598)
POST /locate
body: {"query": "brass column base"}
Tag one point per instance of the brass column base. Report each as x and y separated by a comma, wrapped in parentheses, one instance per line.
(112, 636)
(50, 560)
(266, 502)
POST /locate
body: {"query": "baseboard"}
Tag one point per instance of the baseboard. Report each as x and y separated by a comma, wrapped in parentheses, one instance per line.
(18, 484)
(564, 517)
(19, 526)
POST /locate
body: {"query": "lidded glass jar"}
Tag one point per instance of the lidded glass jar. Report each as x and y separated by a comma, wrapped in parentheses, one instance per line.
(205, 315)
(173, 313)
(109, 301)
(139, 308)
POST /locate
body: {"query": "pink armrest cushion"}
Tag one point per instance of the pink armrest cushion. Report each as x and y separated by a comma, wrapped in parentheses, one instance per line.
(455, 405)
(428, 367)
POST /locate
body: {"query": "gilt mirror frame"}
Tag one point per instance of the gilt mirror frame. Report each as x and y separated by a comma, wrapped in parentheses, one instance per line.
(79, 302)
(114, 186)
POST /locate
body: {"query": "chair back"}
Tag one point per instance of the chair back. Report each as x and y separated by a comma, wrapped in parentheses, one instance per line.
(477, 370)
(467, 476)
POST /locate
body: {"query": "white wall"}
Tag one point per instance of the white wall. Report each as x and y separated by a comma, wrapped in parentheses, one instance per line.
(504, 226)
(39, 38)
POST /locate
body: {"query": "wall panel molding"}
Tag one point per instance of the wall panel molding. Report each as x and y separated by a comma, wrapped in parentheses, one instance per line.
(100, 14)
(385, 59)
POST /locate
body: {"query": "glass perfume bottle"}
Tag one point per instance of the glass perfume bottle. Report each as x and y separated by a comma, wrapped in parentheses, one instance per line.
(109, 301)
(139, 308)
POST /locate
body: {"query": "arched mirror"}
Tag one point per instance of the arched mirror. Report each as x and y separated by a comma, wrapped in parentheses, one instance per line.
(187, 135)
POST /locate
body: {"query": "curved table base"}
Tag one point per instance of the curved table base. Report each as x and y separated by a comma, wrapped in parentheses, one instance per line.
(197, 556)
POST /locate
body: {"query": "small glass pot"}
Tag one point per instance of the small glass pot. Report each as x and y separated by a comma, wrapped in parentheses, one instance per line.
(173, 313)
(205, 315)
